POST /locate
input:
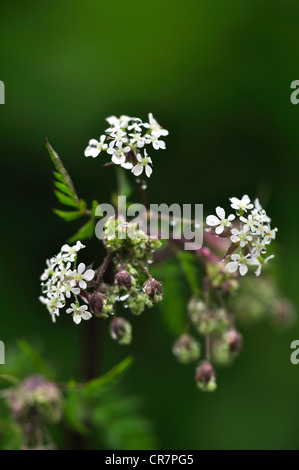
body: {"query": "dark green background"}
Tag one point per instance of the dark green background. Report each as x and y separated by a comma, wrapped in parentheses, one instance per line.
(217, 74)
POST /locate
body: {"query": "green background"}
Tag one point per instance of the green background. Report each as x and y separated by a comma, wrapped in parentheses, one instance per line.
(217, 75)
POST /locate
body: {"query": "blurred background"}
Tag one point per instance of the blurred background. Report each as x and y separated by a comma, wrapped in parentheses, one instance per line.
(217, 75)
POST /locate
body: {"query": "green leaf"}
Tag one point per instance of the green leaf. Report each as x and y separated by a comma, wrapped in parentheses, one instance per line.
(60, 169)
(9, 379)
(74, 412)
(35, 358)
(64, 189)
(94, 206)
(86, 231)
(173, 307)
(189, 266)
(66, 199)
(69, 215)
(110, 376)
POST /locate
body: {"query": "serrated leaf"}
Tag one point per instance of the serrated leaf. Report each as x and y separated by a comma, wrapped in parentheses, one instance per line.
(35, 358)
(68, 215)
(86, 231)
(64, 189)
(66, 200)
(110, 376)
(60, 169)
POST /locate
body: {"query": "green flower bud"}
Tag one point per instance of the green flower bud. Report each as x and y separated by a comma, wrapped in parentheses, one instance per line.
(205, 377)
(121, 330)
(186, 349)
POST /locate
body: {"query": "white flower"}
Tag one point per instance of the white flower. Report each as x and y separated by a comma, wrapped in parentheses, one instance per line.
(137, 139)
(157, 144)
(117, 123)
(94, 148)
(118, 154)
(136, 126)
(258, 247)
(53, 305)
(242, 205)
(60, 258)
(257, 261)
(154, 127)
(221, 222)
(261, 212)
(57, 291)
(118, 139)
(269, 234)
(241, 236)
(239, 262)
(63, 271)
(69, 288)
(71, 250)
(81, 275)
(48, 271)
(79, 312)
(250, 223)
(143, 164)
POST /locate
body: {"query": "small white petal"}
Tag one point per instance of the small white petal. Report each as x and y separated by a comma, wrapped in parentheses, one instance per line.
(243, 269)
(219, 229)
(77, 318)
(81, 268)
(212, 220)
(137, 170)
(82, 284)
(86, 315)
(220, 212)
(148, 171)
(232, 267)
(89, 274)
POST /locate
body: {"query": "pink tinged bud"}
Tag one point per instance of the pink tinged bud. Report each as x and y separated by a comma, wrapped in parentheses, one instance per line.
(234, 340)
(152, 287)
(121, 330)
(96, 303)
(123, 279)
(205, 377)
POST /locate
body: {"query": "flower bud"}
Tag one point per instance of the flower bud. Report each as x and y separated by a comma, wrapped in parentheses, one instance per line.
(283, 312)
(205, 377)
(36, 395)
(124, 279)
(121, 330)
(153, 289)
(96, 303)
(234, 341)
(186, 349)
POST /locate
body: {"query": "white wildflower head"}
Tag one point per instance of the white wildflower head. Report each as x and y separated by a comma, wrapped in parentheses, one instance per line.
(78, 312)
(61, 280)
(126, 140)
(249, 232)
(220, 222)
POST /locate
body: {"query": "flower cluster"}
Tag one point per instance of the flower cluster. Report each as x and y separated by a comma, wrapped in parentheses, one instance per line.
(126, 140)
(249, 232)
(61, 280)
